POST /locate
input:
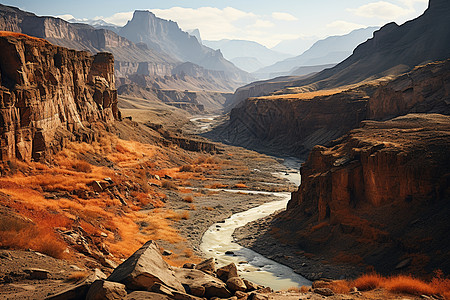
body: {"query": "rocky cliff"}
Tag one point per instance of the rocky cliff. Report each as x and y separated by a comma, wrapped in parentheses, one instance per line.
(128, 56)
(380, 194)
(50, 94)
(292, 124)
(426, 89)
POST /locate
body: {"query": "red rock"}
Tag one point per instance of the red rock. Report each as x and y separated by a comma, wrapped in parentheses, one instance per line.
(49, 95)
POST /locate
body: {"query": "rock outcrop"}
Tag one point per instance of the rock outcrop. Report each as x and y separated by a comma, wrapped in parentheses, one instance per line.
(50, 94)
(293, 124)
(424, 90)
(380, 195)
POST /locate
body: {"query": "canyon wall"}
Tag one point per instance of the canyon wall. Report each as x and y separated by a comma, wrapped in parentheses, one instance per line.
(50, 94)
(293, 124)
(425, 89)
(380, 194)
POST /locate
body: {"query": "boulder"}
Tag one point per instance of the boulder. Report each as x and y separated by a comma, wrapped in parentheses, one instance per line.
(142, 295)
(251, 286)
(207, 266)
(226, 272)
(195, 280)
(172, 293)
(145, 268)
(257, 296)
(189, 266)
(323, 291)
(80, 290)
(241, 295)
(106, 290)
(236, 284)
(38, 274)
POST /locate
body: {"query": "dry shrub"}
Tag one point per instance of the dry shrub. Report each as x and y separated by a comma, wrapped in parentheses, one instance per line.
(82, 166)
(208, 208)
(168, 185)
(186, 183)
(192, 207)
(77, 276)
(185, 215)
(409, 285)
(405, 284)
(368, 282)
(216, 185)
(189, 199)
(304, 289)
(240, 186)
(340, 286)
(186, 168)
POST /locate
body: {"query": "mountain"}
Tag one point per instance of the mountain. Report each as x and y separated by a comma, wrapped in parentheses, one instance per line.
(196, 33)
(165, 36)
(330, 50)
(296, 46)
(249, 64)
(239, 50)
(129, 57)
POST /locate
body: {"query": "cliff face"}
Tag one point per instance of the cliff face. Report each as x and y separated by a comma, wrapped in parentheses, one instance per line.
(49, 94)
(379, 193)
(426, 89)
(294, 124)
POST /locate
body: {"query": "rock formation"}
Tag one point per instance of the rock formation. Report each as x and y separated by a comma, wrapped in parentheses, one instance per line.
(379, 194)
(145, 275)
(293, 124)
(50, 94)
(393, 50)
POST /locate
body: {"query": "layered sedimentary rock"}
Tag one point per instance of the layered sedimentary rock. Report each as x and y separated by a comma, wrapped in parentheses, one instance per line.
(380, 194)
(426, 89)
(49, 94)
(293, 124)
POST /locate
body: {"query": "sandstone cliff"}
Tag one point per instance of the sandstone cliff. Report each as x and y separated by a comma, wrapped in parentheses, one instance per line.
(380, 195)
(426, 89)
(291, 124)
(50, 94)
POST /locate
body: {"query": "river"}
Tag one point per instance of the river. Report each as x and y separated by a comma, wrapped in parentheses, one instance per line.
(218, 242)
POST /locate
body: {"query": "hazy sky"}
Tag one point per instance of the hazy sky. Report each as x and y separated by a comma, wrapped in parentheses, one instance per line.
(265, 21)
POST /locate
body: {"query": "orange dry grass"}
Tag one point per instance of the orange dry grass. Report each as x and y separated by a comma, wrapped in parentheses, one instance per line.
(16, 34)
(240, 186)
(405, 284)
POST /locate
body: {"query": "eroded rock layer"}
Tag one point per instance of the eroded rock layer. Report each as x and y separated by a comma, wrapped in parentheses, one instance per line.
(379, 195)
(50, 94)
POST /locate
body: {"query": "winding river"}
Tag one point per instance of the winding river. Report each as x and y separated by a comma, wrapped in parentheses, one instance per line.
(218, 242)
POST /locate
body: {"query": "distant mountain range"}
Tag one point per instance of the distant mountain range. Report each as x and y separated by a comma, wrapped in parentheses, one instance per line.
(296, 46)
(247, 55)
(330, 50)
(146, 45)
(393, 50)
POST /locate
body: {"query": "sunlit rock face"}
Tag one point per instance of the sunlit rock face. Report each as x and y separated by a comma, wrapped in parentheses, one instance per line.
(49, 95)
(378, 193)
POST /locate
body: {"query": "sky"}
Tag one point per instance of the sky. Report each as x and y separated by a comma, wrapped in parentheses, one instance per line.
(265, 21)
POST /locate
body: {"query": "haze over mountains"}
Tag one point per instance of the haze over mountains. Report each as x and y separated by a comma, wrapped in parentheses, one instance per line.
(247, 55)
(330, 50)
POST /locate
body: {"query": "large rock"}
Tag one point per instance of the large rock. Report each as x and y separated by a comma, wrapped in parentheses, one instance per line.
(207, 266)
(172, 293)
(377, 194)
(145, 268)
(226, 272)
(106, 290)
(49, 95)
(80, 290)
(236, 284)
(197, 281)
(142, 295)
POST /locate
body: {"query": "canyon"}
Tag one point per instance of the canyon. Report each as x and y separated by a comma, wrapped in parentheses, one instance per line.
(100, 158)
(51, 95)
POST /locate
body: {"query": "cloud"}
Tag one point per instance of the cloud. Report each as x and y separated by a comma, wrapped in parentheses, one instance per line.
(382, 10)
(119, 19)
(284, 16)
(343, 27)
(66, 17)
(261, 24)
